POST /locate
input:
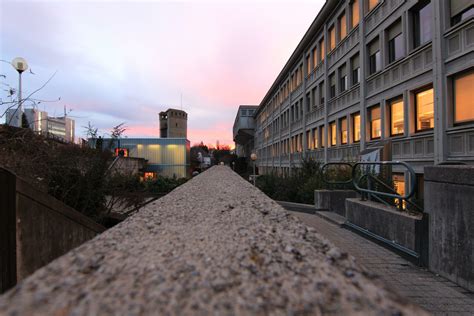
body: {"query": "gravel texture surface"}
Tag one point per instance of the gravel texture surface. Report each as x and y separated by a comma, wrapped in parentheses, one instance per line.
(215, 245)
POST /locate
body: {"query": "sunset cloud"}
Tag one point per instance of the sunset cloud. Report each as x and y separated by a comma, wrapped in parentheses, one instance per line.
(124, 61)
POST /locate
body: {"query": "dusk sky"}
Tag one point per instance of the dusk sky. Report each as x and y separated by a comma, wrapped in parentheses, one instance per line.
(125, 61)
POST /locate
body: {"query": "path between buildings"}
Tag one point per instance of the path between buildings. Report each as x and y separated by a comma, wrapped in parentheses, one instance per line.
(434, 293)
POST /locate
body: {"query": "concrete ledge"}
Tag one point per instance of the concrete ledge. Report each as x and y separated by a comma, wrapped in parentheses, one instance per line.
(333, 200)
(297, 207)
(458, 174)
(213, 246)
(384, 221)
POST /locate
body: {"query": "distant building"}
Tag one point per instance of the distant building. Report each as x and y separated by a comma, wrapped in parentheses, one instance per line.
(41, 123)
(244, 130)
(173, 124)
(167, 157)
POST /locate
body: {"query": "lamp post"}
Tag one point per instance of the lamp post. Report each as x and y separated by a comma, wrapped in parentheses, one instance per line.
(253, 156)
(20, 65)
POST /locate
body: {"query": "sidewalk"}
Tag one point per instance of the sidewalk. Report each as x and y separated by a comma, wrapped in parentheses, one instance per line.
(433, 293)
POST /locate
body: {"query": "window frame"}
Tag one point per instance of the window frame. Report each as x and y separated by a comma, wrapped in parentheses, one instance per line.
(370, 110)
(415, 107)
(456, 76)
(390, 103)
(353, 116)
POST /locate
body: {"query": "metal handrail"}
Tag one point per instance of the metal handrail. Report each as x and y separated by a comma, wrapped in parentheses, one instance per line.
(412, 181)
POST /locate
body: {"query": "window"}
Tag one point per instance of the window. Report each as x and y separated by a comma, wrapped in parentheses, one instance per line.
(463, 97)
(342, 78)
(322, 136)
(321, 93)
(332, 38)
(321, 50)
(395, 42)
(308, 65)
(424, 109)
(356, 127)
(354, 13)
(315, 137)
(315, 56)
(333, 135)
(355, 69)
(422, 16)
(375, 61)
(399, 186)
(371, 4)
(461, 10)
(343, 123)
(342, 23)
(309, 142)
(332, 85)
(396, 117)
(375, 122)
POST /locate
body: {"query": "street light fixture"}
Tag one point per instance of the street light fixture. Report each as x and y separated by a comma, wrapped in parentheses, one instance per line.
(20, 65)
(253, 156)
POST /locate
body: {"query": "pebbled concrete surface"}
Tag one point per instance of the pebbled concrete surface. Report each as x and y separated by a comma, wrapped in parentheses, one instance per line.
(215, 245)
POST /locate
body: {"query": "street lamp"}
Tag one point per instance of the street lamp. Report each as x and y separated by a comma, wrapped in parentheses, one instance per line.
(20, 65)
(253, 156)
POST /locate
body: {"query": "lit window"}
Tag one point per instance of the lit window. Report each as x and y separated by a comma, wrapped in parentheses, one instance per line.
(422, 16)
(356, 127)
(371, 4)
(424, 106)
(375, 62)
(395, 42)
(332, 38)
(355, 69)
(342, 26)
(332, 87)
(342, 78)
(315, 138)
(463, 97)
(375, 122)
(149, 175)
(396, 117)
(309, 142)
(355, 13)
(333, 136)
(343, 123)
(399, 186)
(461, 10)
(308, 65)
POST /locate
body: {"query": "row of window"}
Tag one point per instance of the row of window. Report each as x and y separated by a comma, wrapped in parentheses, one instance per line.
(419, 27)
(421, 113)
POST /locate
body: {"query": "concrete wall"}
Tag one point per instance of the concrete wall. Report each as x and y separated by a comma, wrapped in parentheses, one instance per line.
(35, 229)
(333, 200)
(449, 200)
(384, 221)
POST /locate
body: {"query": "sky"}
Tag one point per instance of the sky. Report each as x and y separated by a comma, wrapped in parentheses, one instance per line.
(125, 61)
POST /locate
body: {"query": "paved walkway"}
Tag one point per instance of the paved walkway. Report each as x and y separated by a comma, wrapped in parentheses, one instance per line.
(434, 293)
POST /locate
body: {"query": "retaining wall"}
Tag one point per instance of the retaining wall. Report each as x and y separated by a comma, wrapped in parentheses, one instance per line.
(449, 200)
(35, 228)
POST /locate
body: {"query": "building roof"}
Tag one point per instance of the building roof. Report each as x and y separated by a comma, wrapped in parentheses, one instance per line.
(307, 39)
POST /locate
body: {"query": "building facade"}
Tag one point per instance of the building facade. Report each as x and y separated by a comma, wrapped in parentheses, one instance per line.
(41, 123)
(167, 157)
(368, 73)
(173, 124)
(244, 130)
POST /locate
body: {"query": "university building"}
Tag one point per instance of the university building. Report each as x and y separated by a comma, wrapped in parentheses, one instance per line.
(397, 74)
